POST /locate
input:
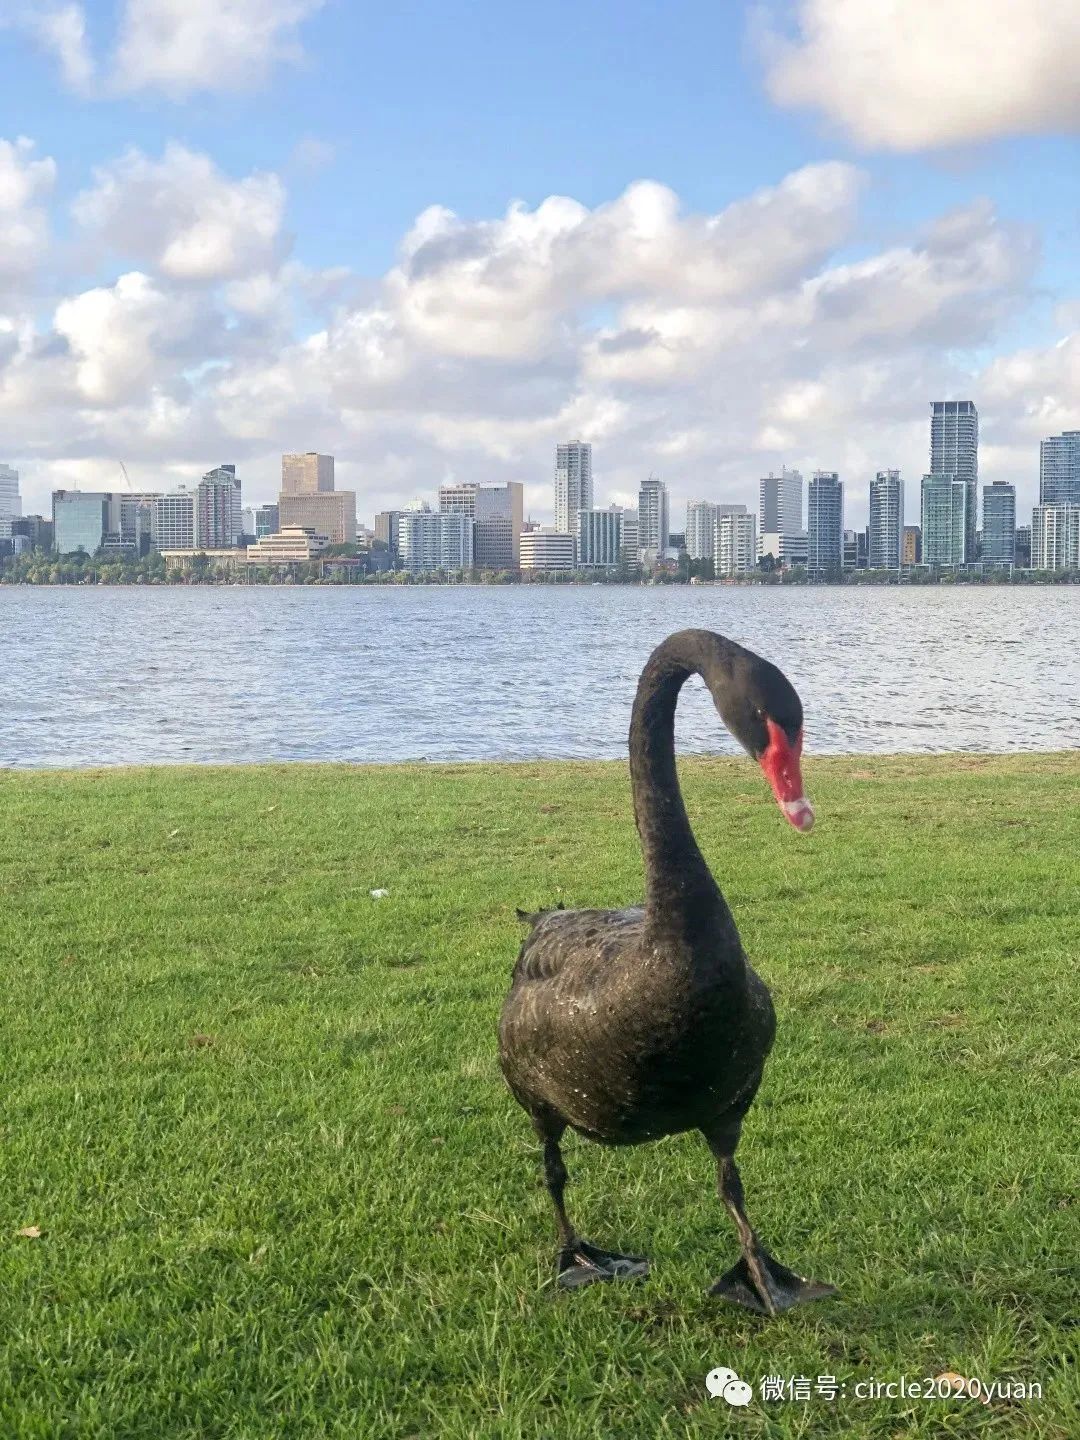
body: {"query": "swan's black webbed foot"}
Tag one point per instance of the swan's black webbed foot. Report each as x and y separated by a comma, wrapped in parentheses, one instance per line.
(581, 1264)
(762, 1284)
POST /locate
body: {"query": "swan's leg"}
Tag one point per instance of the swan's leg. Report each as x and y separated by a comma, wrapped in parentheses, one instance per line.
(758, 1281)
(578, 1263)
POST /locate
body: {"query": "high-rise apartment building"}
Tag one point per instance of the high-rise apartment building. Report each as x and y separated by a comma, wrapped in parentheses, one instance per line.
(954, 450)
(701, 530)
(10, 502)
(573, 484)
(218, 509)
(631, 535)
(173, 520)
(1055, 537)
(856, 550)
(999, 524)
(1059, 469)
(653, 516)
(946, 510)
(432, 541)
(824, 526)
(780, 507)
(309, 474)
(911, 554)
(886, 528)
(736, 543)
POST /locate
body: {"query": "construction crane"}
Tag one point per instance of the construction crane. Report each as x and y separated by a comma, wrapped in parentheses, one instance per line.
(127, 477)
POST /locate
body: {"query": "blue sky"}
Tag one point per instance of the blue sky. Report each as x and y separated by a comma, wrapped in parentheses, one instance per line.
(369, 115)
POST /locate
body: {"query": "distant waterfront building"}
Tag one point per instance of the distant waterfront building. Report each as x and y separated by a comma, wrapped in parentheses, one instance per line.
(631, 536)
(497, 511)
(291, 545)
(267, 521)
(35, 529)
(308, 499)
(431, 542)
(1023, 547)
(780, 502)
(173, 520)
(80, 520)
(547, 549)
(653, 518)
(824, 525)
(701, 530)
(735, 551)
(946, 527)
(10, 502)
(218, 509)
(600, 539)
(954, 451)
(911, 554)
(788, 551)
(1055, 537)
(856, 556)
(1059, 469)
(999, 524)
(886, 528)
(308, 474)
(326, 512)
(573, 484)
(387, 523)
(247, 520)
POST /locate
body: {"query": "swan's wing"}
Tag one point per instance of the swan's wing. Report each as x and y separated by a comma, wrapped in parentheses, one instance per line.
(565, 940)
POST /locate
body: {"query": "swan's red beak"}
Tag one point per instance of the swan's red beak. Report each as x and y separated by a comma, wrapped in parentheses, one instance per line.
(780, 763)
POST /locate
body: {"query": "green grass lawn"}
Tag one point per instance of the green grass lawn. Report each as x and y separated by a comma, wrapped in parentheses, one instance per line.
(257, 1115)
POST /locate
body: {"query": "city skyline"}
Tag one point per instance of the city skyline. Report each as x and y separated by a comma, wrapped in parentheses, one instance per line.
(200, 263)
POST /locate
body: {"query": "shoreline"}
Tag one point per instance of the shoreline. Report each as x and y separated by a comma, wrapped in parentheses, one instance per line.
(897, 761)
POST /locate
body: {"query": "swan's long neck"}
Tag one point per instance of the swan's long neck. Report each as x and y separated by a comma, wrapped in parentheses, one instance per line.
(679, 886)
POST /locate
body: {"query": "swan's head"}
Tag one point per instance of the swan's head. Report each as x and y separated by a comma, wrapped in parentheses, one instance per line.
(765, 715)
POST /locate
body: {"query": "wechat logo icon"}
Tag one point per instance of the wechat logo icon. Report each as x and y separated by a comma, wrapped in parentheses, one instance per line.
(724, 1383)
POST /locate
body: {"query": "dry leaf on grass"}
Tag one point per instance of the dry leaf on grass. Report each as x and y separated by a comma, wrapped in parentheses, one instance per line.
(200, 1042)
(30, 1232)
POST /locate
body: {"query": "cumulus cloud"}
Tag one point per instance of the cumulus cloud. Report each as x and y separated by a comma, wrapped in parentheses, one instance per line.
(184, 46)
(183, 216)
(706, 347)
(925, 73)
(60, 30)
(25, 182)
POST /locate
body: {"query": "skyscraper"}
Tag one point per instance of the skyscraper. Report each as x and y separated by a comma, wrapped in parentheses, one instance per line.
(306, 474)
(217, 509)
(1059, 469)
(308, 498)
(573, 484)
(954, 450)
(1055, 537)
(736, 544)
(999, 523)
(701, 530)
(600, 544)
(497, 511)
(781, 502)
(886, 527)
(946, 509)
(653, 526)
(824, 526)
(10, 503)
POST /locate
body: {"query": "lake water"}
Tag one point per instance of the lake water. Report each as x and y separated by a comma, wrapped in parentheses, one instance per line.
(113, 676)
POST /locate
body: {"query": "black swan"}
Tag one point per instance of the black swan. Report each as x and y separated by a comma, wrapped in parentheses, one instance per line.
(628, 1025)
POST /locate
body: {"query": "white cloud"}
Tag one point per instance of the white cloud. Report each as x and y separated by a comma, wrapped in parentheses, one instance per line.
(184, 46)
(706, 347)
(63, 31)
(122, 336)
(915, 74)
(183, 216)
(24, 225)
